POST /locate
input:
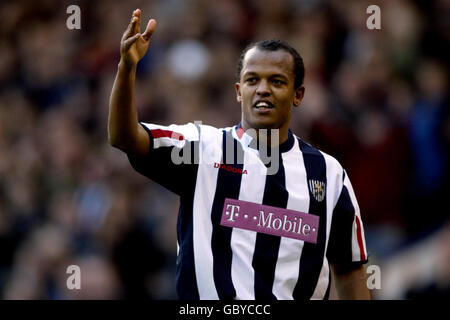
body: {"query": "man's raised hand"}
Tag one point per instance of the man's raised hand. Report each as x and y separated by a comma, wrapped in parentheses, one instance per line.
(134, 45)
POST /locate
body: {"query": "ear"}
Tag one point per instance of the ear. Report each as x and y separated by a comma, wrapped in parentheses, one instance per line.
(238, 92)
(299, 93)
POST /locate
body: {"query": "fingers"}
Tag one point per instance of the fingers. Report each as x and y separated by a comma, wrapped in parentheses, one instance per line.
(134, 25)
(133, 31)
(128, 42)
(151, 27)
(137, 25)
(130, 29)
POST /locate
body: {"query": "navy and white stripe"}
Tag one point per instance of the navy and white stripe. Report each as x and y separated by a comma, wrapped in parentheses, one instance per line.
(218, 262)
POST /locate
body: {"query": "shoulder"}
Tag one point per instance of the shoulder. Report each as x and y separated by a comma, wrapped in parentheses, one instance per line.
(332, 164)
(191, 131)
(211, 129)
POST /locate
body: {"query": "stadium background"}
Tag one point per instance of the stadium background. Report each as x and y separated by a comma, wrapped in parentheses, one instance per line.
(375, 99)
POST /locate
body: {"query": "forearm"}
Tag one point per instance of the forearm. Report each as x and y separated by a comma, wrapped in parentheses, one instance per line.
(351, 284)
(123, 119)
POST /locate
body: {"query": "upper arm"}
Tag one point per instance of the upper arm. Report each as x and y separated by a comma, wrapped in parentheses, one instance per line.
(135, 143)
(142, 145)
(350, 281)
(347, 242)
(170, 156)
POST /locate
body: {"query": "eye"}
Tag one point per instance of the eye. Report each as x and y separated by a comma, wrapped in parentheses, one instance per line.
(278, 82)
(251, 80)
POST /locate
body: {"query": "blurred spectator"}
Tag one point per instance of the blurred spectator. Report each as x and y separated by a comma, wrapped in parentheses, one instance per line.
(429, 117)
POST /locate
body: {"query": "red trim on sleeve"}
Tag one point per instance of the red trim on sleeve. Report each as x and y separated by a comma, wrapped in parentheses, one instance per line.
(240, 132)
(159, 133)
(359, 236)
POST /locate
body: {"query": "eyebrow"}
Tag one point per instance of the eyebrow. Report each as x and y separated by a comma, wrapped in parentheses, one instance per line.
(275, 75)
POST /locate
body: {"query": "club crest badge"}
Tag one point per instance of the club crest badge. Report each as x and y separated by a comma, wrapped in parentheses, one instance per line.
(318, 189)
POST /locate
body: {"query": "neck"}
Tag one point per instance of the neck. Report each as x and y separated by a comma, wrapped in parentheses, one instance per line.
(269, 137)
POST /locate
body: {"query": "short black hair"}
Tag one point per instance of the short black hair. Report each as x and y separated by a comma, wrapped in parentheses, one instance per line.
(274, 45)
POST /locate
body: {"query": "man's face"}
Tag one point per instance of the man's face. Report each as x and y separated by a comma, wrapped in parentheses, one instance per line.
(266, 90)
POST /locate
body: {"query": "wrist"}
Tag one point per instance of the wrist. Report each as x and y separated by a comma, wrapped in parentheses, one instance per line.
(126, 65)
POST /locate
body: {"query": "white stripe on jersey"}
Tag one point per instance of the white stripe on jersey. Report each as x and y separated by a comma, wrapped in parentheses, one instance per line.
(203, 202)
(322, 282)
(288, 263)
(334, 186)
(168, 142)
(243, 241)
(189, 132)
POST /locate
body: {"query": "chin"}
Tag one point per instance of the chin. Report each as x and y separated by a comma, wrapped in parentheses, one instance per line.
(264, 125)
(261, 122)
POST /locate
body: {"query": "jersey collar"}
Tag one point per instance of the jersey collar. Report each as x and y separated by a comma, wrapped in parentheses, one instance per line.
(247, 139)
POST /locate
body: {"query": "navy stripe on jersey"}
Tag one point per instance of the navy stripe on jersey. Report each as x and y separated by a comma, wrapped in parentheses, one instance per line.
(311, 260)
(339, 245)
(228, 186)
(327, 293)
(340, 228)
(267, 246)
(186, 281)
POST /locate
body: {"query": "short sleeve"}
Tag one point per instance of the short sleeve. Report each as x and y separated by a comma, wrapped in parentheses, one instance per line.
(347, 243)
(171, 160)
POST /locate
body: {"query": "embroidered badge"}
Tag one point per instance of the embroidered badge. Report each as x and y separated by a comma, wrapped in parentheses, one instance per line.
(318, 189)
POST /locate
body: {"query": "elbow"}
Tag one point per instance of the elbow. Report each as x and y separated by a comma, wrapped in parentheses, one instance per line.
(118, 142)
(113, 140)
(112, 143)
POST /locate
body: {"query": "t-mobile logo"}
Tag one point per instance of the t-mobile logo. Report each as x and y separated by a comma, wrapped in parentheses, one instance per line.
(234, 212)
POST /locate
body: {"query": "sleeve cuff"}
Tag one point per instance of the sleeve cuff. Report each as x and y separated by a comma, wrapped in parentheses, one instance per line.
(149, 134)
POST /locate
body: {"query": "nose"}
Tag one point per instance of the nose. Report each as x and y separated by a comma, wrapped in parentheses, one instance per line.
(263, 89)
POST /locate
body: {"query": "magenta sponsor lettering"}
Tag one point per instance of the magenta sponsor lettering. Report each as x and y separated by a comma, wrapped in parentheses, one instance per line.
(270, 220)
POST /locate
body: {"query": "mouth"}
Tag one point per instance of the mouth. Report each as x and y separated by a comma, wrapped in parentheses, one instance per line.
(263, 106)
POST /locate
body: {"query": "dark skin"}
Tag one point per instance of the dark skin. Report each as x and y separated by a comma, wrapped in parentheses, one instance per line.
(124, 131)
(266, 76)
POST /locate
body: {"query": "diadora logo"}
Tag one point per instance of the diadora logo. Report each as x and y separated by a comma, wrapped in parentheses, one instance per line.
(318, 189)
(229, 168)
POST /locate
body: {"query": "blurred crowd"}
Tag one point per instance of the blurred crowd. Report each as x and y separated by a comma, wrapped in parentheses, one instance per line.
(377, 100)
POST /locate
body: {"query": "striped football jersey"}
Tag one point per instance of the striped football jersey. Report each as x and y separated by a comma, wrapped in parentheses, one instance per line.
(209, 168)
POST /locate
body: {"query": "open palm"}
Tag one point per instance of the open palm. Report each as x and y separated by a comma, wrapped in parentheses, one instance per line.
(134, 45)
